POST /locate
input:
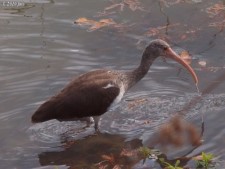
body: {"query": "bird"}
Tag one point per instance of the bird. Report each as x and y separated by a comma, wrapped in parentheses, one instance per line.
(92, 94)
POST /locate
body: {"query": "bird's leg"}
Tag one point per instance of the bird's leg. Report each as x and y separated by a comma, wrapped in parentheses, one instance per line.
(96, 119)
(89, 120)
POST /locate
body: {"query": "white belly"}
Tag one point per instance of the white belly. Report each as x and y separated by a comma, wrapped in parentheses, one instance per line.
(119, 97)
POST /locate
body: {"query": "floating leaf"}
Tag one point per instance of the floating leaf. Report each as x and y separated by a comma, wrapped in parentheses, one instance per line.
(160, 30)
(132, 5)
(94, 25)
(169, 3)
(186, 56)
(216, 9)
(220, 25)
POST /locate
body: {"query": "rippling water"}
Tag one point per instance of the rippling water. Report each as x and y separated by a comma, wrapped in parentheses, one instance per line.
(42, 49)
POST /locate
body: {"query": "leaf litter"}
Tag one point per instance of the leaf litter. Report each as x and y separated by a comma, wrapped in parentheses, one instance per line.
(133, 5)
(94, 25)
(216, 9)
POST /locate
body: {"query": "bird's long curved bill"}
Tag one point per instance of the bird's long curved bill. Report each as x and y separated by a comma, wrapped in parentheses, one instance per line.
(171, 54)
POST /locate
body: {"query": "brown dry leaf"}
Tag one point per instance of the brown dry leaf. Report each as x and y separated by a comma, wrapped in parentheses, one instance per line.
(190, 34)
(159, 30)
(220, 24)
(186, 56)
(134, 5)
(84, 21)
(111, 9)
(153, 31)
(216, 9)
(169, 3)
(102, 23)
(93, 25)
(110, 158)
(113, 6)
(217, 13)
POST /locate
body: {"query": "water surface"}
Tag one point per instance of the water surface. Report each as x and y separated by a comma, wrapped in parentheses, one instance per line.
(42, 50)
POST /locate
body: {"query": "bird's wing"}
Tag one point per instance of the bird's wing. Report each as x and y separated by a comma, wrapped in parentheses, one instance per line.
(88, 96)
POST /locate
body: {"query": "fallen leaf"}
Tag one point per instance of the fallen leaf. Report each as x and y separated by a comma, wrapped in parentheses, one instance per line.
(102, 23)
(132, 5)
(94, 25)
(113, 6)
(169, 3)
(186, 56)
(160, 30)
(220, 24)
(216, 9)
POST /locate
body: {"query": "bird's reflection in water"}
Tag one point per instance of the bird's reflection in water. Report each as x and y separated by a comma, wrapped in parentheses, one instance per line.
(103, 149)
(90, 150)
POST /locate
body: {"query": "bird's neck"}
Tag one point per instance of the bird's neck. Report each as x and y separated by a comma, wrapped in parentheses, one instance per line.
(138, 73)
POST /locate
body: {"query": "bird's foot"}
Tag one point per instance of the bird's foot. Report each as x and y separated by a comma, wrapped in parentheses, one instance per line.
(89, 121)
(96, 120)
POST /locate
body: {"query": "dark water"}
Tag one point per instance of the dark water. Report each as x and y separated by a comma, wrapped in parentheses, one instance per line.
(41, 49)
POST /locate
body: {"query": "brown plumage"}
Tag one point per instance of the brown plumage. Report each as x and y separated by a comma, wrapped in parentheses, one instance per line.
(83, 97)
(91, 94)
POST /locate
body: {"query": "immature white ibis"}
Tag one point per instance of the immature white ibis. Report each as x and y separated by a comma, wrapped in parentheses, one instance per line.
(91, 94)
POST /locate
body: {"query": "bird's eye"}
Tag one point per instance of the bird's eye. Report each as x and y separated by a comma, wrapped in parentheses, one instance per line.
(165, 47)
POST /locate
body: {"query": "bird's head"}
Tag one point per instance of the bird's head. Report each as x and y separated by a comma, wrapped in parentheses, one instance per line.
(159, 47)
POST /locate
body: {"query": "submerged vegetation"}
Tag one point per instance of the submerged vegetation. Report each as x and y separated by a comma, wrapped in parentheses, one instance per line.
(204, 161)
(170, 166)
